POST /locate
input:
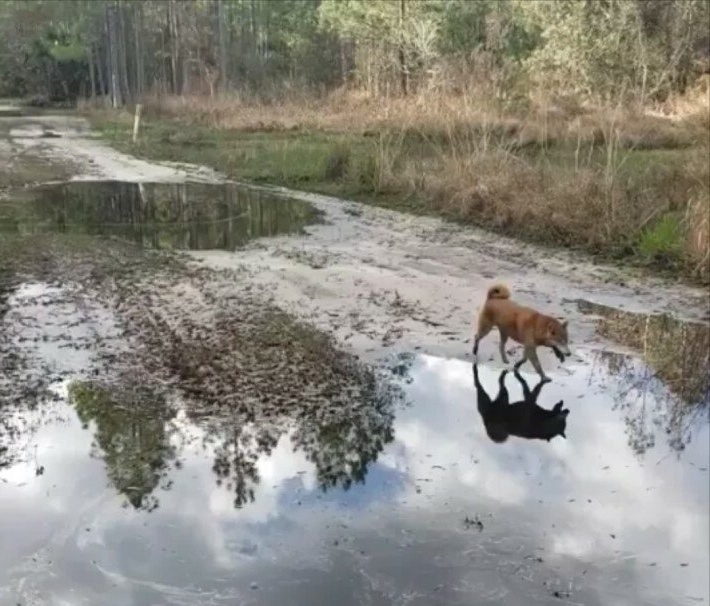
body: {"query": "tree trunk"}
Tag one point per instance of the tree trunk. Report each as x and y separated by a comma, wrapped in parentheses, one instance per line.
(92, 78)
(140, 67)
(223, 44)
(174, 57)
(343, 63)
(185, 80)
(123, 55)
(100, 73)
(404, 72)
(112, 56)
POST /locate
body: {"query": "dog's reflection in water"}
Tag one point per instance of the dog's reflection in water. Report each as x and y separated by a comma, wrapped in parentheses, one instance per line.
(524, 419)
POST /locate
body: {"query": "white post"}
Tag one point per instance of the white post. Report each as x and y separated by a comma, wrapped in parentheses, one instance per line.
(137, 121)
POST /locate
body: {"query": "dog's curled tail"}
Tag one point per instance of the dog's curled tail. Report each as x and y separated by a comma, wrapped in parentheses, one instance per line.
(498, 291)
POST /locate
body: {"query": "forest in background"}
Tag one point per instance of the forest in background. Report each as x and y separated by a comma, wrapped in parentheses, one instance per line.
(67, 49)
(580, 123)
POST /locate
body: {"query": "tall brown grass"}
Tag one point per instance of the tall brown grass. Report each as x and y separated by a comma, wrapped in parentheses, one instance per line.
(674, 124)
(560, 171)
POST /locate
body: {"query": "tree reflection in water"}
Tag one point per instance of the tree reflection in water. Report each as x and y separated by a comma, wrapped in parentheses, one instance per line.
(342, 444)
(131, 435)
(671, 389)
(157, 215)
(341, 440)
(139, 445)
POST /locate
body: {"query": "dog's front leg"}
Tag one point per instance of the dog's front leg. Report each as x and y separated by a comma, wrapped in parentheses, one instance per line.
(531, 354)
(522, 360)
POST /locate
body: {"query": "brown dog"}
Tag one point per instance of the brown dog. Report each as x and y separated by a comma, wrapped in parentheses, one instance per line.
(522, 324)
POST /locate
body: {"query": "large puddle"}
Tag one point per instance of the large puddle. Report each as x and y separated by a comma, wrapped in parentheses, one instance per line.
(120, 497)
(190, 216)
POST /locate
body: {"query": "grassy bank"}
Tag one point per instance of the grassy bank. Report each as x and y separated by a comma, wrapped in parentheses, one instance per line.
(621, 184)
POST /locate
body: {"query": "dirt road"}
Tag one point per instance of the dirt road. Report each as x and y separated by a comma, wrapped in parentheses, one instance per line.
(379, 280)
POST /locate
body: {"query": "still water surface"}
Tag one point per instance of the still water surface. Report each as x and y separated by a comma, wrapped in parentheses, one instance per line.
(132, 505)
(194, 216)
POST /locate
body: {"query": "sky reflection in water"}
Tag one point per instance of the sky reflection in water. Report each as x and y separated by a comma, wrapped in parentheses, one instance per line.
(434, 513)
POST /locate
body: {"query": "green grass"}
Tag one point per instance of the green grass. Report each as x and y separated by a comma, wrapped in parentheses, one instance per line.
(295, 158)
(661, 244)
(287, 158)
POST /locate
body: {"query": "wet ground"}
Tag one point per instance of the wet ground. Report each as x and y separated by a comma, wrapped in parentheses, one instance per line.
(293, 419)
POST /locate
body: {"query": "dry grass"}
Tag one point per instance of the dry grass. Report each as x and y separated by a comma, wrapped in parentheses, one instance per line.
(614, 180)
(697, 233)
(432, 115)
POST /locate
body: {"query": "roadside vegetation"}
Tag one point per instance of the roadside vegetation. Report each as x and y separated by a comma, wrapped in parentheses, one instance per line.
(611, 184)
(570, 123)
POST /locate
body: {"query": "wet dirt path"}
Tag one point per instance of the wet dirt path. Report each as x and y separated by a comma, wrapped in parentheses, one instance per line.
(380, 278)
(385, 281)
(177, 438)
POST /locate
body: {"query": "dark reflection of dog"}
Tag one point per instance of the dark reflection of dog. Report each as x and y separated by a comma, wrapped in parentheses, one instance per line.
(524, 419)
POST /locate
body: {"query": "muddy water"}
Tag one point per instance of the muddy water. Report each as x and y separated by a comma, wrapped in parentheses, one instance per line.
(114, 495)
(192, 216)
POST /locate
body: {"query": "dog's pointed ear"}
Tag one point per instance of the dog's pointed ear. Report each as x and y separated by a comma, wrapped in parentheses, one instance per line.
(563, 321)
(558, 406)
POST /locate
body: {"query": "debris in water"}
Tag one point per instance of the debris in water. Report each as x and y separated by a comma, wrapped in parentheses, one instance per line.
(474, 522)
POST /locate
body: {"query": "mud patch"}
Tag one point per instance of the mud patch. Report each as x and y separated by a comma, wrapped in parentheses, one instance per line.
(157, 215)
(121, 318)
(72, 142)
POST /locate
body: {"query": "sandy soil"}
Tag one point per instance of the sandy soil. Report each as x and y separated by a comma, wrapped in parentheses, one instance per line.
(382, 281)
(67, 138)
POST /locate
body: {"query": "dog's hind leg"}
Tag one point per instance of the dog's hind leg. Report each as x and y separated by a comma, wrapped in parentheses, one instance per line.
(484, 327)
(503, 339)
